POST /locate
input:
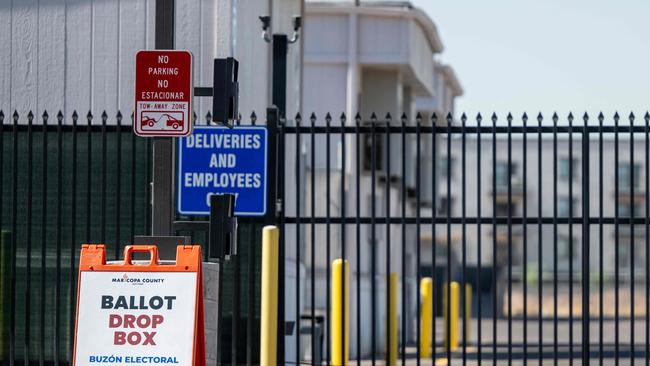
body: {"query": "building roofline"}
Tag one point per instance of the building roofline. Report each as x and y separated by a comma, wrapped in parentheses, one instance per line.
(403, 9)
(451, 78)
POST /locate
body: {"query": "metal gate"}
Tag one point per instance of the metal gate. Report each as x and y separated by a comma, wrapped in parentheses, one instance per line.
(499, 204)
(542, 222)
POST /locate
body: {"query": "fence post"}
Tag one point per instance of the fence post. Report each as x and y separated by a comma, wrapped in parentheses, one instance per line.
(392, 314)
(586, 274)
(340, 332)
(269, 303)
(426, 292)
(450, 307)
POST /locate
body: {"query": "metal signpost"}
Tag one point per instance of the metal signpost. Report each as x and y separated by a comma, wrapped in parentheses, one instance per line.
(161, 220)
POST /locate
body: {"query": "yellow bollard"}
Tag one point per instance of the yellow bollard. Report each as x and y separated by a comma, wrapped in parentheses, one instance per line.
(468, 313)
(340, 336)
(269, 303)
(426, 311)
(450, 309)
(392, 313)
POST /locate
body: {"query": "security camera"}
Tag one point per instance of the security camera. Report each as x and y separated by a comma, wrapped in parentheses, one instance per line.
(266, 24)
(297, 23)
(266, 21)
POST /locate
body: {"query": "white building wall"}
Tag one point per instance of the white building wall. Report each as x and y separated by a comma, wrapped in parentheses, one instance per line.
(68, 55)
(533, 186)
(374, 59)
(79, 54)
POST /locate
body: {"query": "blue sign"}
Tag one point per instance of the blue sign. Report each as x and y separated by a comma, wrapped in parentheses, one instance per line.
(218, 160)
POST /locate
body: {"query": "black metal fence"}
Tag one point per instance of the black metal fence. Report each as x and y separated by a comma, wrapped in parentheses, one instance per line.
(546, 219)
(65, 181)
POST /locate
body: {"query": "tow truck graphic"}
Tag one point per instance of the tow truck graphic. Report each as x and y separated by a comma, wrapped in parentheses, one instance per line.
(149, 120)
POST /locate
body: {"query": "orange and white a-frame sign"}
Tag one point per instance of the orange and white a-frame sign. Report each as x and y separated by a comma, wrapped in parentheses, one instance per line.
(139, 313)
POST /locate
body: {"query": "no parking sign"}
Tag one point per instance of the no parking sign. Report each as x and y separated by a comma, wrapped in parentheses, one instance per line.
(139, 313)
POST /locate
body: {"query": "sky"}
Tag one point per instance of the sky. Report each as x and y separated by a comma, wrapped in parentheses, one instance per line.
(551, 55)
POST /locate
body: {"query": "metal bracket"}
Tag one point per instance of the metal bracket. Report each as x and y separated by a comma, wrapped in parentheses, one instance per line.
(203, 91)
(223, 227)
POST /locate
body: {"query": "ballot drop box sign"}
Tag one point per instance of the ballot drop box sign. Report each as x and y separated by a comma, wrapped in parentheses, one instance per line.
(127, 317)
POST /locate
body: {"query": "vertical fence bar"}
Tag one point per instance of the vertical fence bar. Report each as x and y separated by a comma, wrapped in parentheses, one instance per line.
(388, 244)
(132, 190)
(632, 208)
(103, 183)
(586, 244)
(647, 237)
(41, 331)
(434, 242)
(357, 182)
(298, 241)
(616, 243)
(73, 231)
(28, 257)
(89, 119)
(509, 119)
(418, 203)
(14, 224)
(2, 167)
(250, 305)
(494, 240)
(540, 263)
(571, 253)
(312, 156)
(59, 198)
(282, 251)
(600, 240)
(147, 201)
(403, 233)
(250, 280)
(463, 249)
(236, 296)
(2, 147)
(524, 119)
(328, 168)
(449, 246)
(479, 235)
(344, 270)
(373, 237)
(555, 304)
(118, 184)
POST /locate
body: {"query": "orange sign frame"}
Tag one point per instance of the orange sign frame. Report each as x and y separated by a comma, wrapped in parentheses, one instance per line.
(188, 260)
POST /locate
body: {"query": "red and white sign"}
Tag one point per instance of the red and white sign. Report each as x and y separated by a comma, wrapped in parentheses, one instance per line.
(163, 93)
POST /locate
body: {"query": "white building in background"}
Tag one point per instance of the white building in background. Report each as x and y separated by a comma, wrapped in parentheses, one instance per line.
(377, 57)
(631, 198)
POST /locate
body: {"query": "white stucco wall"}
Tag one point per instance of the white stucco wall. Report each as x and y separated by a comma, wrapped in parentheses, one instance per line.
(71, 54)
(79, 54)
